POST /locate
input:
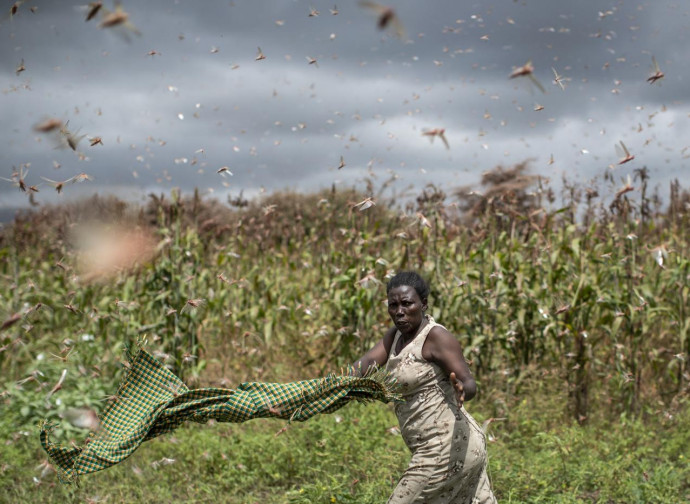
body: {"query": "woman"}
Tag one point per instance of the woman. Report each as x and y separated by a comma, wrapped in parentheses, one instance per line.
(448, 464)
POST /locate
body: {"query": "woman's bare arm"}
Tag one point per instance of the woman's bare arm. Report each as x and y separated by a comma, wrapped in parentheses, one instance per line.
(377, 356)
(442, 348)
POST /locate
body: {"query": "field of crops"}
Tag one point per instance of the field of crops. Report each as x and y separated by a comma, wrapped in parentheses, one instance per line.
(573, 313)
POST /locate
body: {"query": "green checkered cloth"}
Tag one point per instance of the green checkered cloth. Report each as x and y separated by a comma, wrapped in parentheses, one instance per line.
(152, 401)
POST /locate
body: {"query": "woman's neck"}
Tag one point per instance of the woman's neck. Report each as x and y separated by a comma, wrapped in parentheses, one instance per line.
(406, 338)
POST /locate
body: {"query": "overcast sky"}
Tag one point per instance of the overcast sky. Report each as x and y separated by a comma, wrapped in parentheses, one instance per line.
(185, 95)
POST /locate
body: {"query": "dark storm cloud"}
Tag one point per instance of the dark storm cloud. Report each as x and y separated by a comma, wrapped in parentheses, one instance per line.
(200, 101)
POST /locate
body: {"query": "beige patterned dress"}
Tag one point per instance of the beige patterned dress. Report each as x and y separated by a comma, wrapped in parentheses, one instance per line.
(448, 464)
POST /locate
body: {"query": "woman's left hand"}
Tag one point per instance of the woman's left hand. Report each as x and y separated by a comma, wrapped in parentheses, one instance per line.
(459, 389)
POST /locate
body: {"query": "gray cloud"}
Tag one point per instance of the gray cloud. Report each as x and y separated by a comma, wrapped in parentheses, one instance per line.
(282, 122)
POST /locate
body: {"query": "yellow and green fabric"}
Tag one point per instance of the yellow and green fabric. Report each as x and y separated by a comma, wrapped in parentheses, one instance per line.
(152, 401)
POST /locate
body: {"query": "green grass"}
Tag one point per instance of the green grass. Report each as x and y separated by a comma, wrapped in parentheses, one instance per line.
(351, 457)
(613, 462)
(558, 321)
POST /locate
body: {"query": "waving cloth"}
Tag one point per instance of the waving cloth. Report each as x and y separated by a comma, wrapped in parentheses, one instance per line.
(152, 401)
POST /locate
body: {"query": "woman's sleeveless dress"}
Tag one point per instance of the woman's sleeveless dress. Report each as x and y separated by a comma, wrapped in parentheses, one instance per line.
(448, 464)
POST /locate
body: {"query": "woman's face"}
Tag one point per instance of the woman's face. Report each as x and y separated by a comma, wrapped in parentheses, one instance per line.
(406, 309)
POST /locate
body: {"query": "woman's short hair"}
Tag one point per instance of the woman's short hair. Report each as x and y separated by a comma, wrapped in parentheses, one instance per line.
(409, 279)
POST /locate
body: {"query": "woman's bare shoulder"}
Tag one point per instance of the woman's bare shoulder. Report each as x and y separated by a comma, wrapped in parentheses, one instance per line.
(439, 333)
(388, 337)
(438, 339)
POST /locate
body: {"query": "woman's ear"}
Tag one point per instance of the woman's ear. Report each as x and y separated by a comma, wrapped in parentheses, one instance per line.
(424, 305)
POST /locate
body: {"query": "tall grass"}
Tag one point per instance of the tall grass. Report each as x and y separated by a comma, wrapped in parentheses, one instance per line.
(294, 285)
(583, 299)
